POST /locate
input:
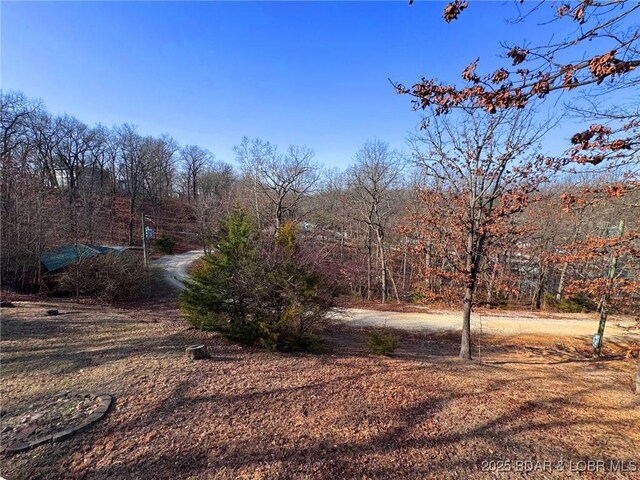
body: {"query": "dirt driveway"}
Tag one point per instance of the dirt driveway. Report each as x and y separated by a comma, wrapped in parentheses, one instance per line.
(497, 323)
(175, 266)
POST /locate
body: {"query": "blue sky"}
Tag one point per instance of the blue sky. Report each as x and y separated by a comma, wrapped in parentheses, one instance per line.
(207, 73)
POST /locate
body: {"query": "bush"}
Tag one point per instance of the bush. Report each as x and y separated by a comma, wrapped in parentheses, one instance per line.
(381, 341)
(575, 304)
(258, 290)
(109, 278)
(164, 244)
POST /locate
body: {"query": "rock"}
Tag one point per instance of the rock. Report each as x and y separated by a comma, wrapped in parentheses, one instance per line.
(6, 305)
(53, 312)
(197, 352)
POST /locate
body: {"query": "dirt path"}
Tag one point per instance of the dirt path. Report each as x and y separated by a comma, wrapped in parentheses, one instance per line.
(175, 266)
(500, 323)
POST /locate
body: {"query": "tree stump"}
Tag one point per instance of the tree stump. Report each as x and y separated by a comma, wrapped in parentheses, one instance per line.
(197, 352)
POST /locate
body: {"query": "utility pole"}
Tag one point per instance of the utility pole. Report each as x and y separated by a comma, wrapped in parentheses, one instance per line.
(597, 341)
(144, 244)
(145, 254)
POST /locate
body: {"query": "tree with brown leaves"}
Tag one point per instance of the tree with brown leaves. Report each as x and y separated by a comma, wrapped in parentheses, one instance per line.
(599, 55)
(482, 170)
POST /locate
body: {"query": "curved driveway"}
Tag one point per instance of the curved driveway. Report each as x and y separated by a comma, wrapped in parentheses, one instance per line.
(175, 266)
(498, 323)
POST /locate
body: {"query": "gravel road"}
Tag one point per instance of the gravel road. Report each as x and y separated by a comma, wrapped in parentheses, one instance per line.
(175, 266)
(499, 323)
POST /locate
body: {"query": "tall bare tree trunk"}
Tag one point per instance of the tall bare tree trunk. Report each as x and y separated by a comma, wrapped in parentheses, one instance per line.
(369, 272)
(383, 265)
(394, 287)
(427, 264)
(131, 212)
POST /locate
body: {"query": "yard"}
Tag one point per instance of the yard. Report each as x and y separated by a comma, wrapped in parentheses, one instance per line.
(247, 413)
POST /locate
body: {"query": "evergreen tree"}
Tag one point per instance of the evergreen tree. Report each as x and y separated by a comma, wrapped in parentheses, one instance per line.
(257, 289)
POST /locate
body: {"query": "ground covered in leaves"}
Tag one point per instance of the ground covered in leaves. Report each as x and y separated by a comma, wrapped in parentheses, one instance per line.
(340, 414)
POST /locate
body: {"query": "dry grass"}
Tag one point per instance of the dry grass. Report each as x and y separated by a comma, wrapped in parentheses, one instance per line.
(341, 414)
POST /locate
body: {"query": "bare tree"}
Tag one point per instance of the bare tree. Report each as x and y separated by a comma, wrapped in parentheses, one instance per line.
(215, 199)
(195, 161)
(17, 114)
(134, 153)
(375, 178)
(282, 179)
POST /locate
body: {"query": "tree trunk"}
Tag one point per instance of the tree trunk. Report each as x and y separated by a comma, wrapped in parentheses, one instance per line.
(393, 286)
(492, 280)
(369, 263)
(465, 344)
(605, 297)
(131, 210)
(539, 291)
(404, 268)
(427, 264)
(255, 200)
(383, 268)
(475, 244)
(563, 274)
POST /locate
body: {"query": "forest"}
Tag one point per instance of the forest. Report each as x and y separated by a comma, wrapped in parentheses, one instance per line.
(393, 226)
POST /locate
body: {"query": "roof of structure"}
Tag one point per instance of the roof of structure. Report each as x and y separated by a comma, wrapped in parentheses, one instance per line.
(61, 257)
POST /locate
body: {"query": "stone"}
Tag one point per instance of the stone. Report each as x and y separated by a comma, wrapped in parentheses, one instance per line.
(21, 444)
(18, 447)
(94, 416)
(197, 352)
(58, 436)
(53, 312)
(40, 440)
(6, 305)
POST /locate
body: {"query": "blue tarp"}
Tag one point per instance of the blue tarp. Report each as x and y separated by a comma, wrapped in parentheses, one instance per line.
(66, 255)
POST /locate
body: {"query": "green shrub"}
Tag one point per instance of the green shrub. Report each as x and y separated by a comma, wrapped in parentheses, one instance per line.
(381, 341)
(258, 290)
(164, 244)
(575, 304)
